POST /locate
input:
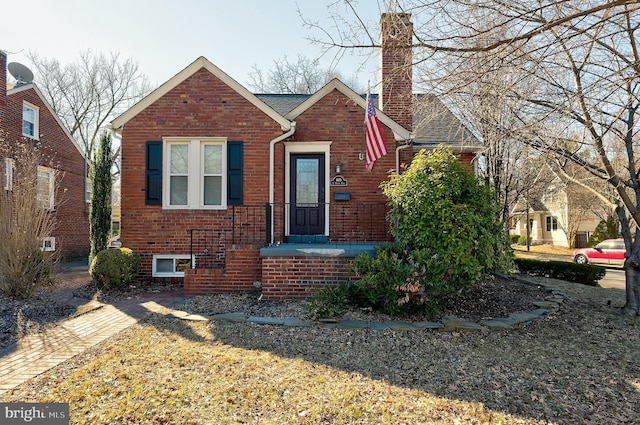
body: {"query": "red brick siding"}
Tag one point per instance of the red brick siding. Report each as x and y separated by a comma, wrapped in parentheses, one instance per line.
(241, 273)
(396, 32)
(298, 277)
(57, 152)
(201, 106)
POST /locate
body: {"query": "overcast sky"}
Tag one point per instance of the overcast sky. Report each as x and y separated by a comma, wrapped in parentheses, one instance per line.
(164, 36)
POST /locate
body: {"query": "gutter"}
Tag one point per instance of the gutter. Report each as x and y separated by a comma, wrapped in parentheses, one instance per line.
(272, 145)
(408, 144)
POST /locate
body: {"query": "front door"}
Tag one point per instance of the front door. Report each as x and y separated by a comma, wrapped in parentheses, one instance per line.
(307, 194)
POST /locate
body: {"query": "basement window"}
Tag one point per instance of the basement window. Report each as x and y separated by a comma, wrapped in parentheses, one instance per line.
(48, 244)
(170, 265)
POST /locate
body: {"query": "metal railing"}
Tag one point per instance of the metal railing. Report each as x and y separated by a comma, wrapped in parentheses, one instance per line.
(347, 222)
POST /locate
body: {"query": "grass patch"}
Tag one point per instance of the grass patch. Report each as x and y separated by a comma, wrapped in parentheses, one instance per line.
(577, 366)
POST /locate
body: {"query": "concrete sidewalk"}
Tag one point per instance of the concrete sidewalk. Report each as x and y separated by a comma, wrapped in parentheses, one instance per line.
(37, 353)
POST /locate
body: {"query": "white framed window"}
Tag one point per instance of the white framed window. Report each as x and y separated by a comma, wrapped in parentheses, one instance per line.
(9, 165)
(46, 187)
(195, 173)
(170, 265)
(48, 244)
(30, 121)
(552, 223)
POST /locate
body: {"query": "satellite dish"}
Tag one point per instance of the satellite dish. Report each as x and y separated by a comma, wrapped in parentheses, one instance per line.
(21, 73)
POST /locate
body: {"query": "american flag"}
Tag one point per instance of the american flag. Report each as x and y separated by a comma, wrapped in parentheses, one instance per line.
(376, 146)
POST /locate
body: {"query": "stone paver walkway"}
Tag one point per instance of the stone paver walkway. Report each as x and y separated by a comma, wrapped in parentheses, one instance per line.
(37, 353)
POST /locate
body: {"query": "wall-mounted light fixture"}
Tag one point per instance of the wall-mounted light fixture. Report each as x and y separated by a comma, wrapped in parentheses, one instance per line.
(338, 168)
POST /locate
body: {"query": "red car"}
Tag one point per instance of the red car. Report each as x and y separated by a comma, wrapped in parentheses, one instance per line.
(609, 252)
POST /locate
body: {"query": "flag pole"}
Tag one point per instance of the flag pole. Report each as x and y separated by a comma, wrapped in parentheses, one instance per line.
(363, 146)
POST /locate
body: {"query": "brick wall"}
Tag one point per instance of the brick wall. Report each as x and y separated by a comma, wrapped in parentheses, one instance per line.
(241, 273)
(396, 94)
(201, 106)
(298, 277)
(57, 151)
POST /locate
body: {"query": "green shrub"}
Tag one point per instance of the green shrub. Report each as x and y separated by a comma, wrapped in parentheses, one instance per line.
(514, 238)
(439, 207)
(115, 268)
(522, 240)
(399, 281)
(606, 229)
(329, 301)
(586, 274)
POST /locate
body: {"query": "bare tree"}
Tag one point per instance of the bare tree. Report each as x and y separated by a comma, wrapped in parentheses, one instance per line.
(304, 76)
(88, 93)
(578, 72)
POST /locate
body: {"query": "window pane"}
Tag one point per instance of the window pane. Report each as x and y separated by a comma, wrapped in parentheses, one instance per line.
(213, 190)
(28, 114)
(178, 186)
(307, 172)
(179, 159)
(212, 159)
(164, 265)
(44, 188)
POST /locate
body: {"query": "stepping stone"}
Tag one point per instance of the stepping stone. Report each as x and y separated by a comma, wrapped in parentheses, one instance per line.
(377, 326)
(546, 304)
(352, 324)
(265, 320)
(231, 317)
(428, 325)
(195, 318)
(400, 325)
(295, 322)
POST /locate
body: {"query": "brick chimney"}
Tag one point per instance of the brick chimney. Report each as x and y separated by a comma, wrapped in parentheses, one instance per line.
(396, 36)
(3, 91)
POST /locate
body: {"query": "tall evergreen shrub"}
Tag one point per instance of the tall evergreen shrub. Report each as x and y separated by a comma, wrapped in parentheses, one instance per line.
(100, 212)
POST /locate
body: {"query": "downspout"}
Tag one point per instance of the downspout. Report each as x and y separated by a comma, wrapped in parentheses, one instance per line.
(408, 144)
(272, 145)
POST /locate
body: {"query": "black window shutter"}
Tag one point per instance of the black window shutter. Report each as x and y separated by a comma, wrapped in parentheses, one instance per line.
(153, 170)
(234, 172)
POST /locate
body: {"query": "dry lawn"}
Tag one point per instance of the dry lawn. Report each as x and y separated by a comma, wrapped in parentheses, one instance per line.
(544, 249)
(578, 366)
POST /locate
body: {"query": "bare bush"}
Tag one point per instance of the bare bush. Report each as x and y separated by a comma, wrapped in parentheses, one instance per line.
(25, 221)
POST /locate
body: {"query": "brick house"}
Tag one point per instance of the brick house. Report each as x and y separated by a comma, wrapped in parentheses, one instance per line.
(226, 190)
(26, 118)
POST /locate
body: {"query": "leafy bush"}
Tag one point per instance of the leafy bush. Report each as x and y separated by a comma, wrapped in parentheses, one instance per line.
(439, 207)
(606, 229)
(394, 281)
(586, 274)
(522, 240)
(329, 301)
(115, 268)
(514, 238)
(398, 281)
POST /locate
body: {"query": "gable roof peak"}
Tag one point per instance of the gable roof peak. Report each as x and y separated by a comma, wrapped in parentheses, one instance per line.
(198, 64)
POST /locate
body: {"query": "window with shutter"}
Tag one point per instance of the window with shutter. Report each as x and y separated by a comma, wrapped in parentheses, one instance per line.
(153, 177)
(234, 172)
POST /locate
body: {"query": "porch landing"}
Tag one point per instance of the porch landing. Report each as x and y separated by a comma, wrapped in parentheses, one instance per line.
(330, 249)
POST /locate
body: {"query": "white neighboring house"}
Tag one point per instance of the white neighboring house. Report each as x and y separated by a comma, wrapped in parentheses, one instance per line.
(562, 213)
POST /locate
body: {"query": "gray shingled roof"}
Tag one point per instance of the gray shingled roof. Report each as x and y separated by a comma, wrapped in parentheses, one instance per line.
(433, 122)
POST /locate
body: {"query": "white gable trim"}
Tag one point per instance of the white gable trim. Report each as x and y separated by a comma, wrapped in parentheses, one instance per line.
(51, 111)
(181, 76)
(400, 133)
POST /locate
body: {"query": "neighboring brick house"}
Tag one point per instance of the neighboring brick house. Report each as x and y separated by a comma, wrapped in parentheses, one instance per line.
(26, 118)
(226, 190)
